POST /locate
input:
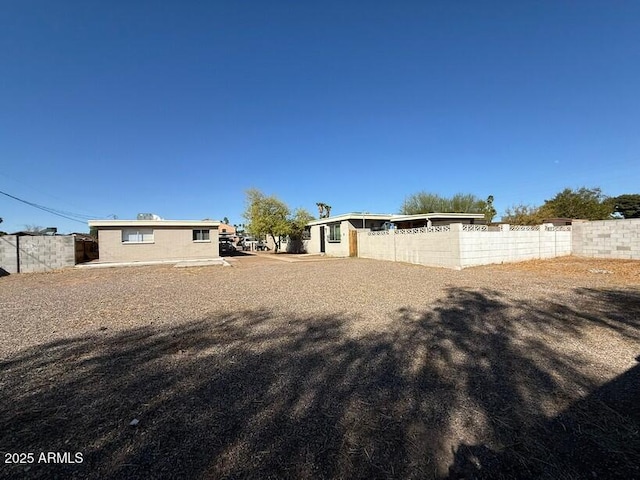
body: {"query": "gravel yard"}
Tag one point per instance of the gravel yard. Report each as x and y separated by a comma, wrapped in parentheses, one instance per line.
(324, 368)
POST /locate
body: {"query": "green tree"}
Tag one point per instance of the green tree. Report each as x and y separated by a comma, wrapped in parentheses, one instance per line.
(627, 205)
(584, 203)
(225, 220)
(267, 216)
(489, 209)
(523, 215)
(424, 202)
(296, 234)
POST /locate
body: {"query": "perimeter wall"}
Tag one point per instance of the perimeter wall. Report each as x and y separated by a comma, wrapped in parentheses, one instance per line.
(458, 246)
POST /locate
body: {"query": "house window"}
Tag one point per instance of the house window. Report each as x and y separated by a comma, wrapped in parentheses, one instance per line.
(201, 236)
(137, 235)
(306, 233)
(334, 232)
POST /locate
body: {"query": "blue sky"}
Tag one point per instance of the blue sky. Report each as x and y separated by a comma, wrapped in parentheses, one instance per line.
(176, 108)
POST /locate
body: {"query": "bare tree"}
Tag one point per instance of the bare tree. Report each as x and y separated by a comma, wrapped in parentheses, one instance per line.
(32, 228)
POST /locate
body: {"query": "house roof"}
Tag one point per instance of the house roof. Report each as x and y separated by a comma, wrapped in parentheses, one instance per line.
(434, 215)
(153, 223)
(349, 216)
(393, 217)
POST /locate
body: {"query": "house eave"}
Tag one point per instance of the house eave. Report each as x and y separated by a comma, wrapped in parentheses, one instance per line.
(154, 223)
(350, 216)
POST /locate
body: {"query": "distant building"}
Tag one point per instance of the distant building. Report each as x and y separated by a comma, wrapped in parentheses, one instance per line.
(226, 229)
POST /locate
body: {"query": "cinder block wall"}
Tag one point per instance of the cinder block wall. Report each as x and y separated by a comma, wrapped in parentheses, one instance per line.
(459, 248)
(434, 249)
(507, 245)
(8, 255)
(376, 245)
(607, 239)
(37, 253)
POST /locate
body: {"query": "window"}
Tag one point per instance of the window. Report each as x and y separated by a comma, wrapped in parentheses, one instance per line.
(201, 236)
(137, 235)
(306, 233)
(334, 232)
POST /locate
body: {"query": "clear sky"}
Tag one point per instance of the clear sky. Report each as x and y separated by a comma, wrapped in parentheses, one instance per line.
(176, 108)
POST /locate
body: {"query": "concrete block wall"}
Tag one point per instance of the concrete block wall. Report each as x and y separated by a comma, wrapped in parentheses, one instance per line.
(8, 255)
(376, 245)
(511, 245)
(459, 248)
(607, 239)
(36, 253)
(434, 249)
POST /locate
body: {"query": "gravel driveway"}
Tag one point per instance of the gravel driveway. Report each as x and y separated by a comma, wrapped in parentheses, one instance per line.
(345, 368)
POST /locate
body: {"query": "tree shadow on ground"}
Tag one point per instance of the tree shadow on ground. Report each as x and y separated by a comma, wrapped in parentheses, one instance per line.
(597, 437)
(468, 389)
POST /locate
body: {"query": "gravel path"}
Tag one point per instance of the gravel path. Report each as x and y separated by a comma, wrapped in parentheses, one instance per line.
(345, 368)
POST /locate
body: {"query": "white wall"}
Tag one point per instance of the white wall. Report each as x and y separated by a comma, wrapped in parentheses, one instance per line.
(435, 247)
(513, 244)
(334, 249)
(458, 246)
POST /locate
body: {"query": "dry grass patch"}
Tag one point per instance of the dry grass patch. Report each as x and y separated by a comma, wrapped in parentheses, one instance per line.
(614, 271)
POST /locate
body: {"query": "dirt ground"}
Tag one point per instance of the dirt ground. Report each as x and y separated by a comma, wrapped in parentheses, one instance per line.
(622, 272)
(313, 367)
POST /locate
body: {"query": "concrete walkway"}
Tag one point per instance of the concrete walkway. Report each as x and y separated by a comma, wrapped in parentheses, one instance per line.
(296, 257)
(202, 262)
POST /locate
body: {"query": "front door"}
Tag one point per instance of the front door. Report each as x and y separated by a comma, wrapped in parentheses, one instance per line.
(321, 239)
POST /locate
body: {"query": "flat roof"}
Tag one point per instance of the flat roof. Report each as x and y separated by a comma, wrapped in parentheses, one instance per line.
(419, 216)
(392, 217)
(348, 216)
(153, 223)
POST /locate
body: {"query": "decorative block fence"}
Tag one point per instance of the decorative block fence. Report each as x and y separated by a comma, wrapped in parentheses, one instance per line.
(458, 246)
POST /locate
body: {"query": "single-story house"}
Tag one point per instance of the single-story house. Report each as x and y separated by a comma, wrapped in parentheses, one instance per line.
(337, 235)
(156, 240)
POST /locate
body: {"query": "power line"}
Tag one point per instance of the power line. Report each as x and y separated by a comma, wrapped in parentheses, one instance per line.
(59, 213)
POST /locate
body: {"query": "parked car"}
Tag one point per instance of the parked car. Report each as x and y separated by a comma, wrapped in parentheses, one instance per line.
(244, 244)
(227, 248)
